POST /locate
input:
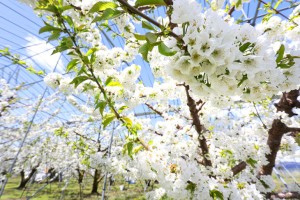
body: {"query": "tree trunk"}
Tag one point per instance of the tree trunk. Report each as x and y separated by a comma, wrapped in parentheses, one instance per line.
(24, 180)
(95, 182)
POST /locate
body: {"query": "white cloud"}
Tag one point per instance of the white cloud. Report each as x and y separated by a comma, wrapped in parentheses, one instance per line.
(44, 58)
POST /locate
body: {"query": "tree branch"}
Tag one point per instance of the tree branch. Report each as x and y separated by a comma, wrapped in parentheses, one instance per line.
(238, 168)
(149, 19)
(277, 12)
(287, 102)
(231, 10)
(198, 126)
(155, 110)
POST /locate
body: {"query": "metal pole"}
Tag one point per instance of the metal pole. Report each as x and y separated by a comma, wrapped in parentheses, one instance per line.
(22, 144)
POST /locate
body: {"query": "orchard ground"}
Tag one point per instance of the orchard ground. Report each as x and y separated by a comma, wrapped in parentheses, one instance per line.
(72, 191)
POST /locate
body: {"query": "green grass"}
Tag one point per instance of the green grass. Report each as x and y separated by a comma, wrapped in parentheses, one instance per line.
(54, 190)
(131, 192)
(287, 178)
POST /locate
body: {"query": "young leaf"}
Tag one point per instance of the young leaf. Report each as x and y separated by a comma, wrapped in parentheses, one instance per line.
(137, 149)
(216, 194)
(69, 20)
(139, 37)
(72, 64)
(79, 79)
(280, 53)
(151, 37)
(251, 162)
(164, 50)
(101, 105)
(129, 147)
(108, 14)
(114, 83)
(191, 187)
(54, 36)
(91, 51)
(102, 5)
(50, 8)
(144, 49)
(148, 26)
(149, 2)
(128, 121)
(120, 110)
(107, 119)
(244, 47)
(48, 28)
(108, 80)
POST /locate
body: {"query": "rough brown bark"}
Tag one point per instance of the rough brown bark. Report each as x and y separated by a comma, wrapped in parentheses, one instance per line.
(80, 175)
(238, 168)
(95, 182)
(198, 126)
(24, 180)
(276, 132)
(287, 102)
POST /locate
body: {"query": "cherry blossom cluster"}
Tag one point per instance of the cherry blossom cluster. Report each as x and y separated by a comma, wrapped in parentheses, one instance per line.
(223, 59)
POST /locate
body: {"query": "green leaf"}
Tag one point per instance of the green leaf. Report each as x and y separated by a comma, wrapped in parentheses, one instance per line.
(139, 37)
(79, 79)
(50, 8)
(280, 53)
(277, 4)
(34, 71)
(101, 105)
(48, 28)
(216, 194)
(191, 187)
(238, 3)
(129, 147)
(114, 84)
(120, 110)
(65, 44)
(144, 50)
(64, 8)
(72, 64)
(69, 20)
(137, 149)
(91, 51)
(164, 50)
(102, 5)
(244, 47)
(5, 51)
(54, 36)
(108, 80)
(127, 121)
(151, 37)
(149, 3)
(148, 26)
(108, 14)
(107, 119)
(251, 162)
(87, 87)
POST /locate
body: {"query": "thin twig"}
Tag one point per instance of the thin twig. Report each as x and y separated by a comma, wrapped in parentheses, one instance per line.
(258, 115)
(278, 12)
